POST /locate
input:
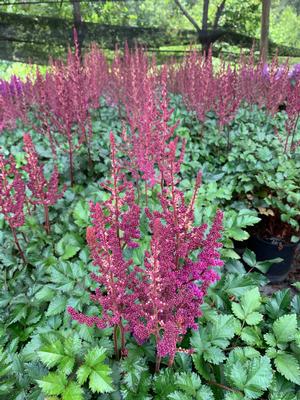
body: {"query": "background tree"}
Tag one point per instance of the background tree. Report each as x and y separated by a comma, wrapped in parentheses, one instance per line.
(264, 35)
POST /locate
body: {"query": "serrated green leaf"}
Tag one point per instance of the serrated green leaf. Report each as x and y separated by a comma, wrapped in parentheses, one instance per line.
(98, 373)
(201, 366)
(270, 339)
(285, 328)
(254, 318)
(188, 382)
(251, 301)
(177, 395)
(249, 372)
(72, 392)
(288, 366)
(51, 354)
(81, 213)
(57, 305)
(278, 304)
(237, 310)
(53, 384)
(83, 373)
(252, 336)
(249, 257)
(100, 380)
(214, 355)
(68, 245)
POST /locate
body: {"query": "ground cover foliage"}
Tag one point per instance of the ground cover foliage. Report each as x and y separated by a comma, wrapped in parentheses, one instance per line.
(124, 192)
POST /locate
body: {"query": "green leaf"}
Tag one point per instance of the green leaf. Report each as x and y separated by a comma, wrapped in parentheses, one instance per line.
(201, 366)
(264, 266)
(69, 245)
(57, 305)
(254, 318)
(270, 339)
(285, 328)
(83, 373)
(288, 366)
(98, 373)
(296, 285)
(72, 392)
(53, 384)
(188, 382)
(278, 304)
(250, 301)
(252, 376)
(81, 213)
(249, 257)
(237, 233)
(252, 336)
(51, 354)
(214, 355)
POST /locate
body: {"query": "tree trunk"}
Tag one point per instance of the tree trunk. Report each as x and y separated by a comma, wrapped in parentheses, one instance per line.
(264, 34)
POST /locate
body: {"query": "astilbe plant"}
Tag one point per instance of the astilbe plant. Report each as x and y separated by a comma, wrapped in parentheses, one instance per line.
(170, 296)
(115, 226)
(12, 197)
(162, 297)
(44, 192)
(196, 83)
(293, 112)
(150, 130)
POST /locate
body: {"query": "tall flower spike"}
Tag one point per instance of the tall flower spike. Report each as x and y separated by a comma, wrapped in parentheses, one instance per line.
(115, 227)
(170, 292)
(43, 191)
(12, 197)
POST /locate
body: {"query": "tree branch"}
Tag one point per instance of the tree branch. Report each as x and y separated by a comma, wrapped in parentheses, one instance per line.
(188, 16)
(218, 15)
(205, 15)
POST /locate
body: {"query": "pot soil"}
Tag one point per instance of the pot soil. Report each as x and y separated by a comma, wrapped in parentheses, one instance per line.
(266, 249)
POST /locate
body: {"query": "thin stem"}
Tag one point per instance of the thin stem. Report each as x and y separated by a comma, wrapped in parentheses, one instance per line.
(115, 339)
(171, 361)
(224, 387)
(123, 348)
(47, 222)
(294, 131)
(146, 193)
(228, 139)
(24, 237)
(18, 244)
(71, 157)
(157, 363)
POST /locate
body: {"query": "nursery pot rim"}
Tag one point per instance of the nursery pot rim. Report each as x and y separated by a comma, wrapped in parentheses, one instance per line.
(290, 244)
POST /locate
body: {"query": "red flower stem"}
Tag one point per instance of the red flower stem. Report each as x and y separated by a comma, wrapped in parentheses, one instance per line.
(18, 244)
(123, 349)
(157, 363)
(146, 193)
(71, 156)
(47, 223)
(171, 361)
(115, 339)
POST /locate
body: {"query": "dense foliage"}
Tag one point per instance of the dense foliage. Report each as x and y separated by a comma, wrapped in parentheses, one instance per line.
(135, 183)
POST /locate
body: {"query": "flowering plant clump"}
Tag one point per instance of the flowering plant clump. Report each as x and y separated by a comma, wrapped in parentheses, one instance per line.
(146, 145)
(163, 296)
(43, 191)
(12, 196)
(115, 226)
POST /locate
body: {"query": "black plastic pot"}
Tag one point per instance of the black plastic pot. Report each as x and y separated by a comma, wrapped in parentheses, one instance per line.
(273, 248)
